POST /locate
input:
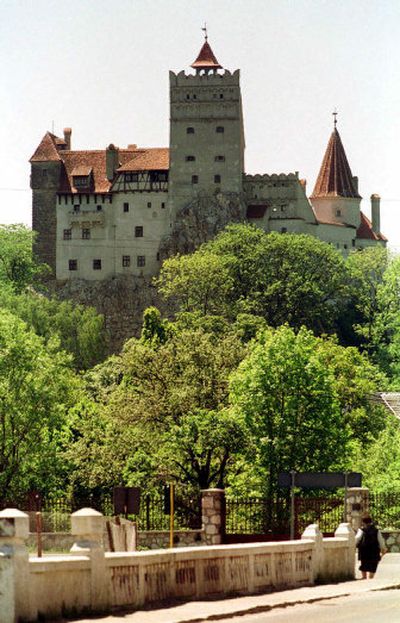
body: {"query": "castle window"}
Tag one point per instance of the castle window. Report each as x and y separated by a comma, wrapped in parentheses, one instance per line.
(195, 179)
(85, 234)
(190, 158)
(219, 158)
(141, 260)
(283, 230)
(67, 234)
(149, 204)
(139, 231)
(220, 129)
(221, 96)
(217, 179)
(126, 260)
(77, 208)
(189, 130)
(188, 96)
(338, 212)
(158, 256)
(81, 181)
(345, 246)
(163, 204)
(99, 208)
(353, 243)
(126, 207)
(72, 264)
(96, 264)
(194, 96)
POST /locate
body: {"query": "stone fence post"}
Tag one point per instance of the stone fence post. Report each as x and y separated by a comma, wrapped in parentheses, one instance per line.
(357, 503)
(87, 526)
(14, 566)
(345, 531)
(213, 515)
(312, 533)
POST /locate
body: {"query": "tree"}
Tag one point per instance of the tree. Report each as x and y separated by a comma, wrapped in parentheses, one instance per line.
(80, 329)
(18, 266)
(292, 278)
(166, 417)
(366, 269)
(296, 409)
(37, 387)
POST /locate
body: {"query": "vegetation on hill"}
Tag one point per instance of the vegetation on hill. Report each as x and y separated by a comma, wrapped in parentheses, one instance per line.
(277, 344)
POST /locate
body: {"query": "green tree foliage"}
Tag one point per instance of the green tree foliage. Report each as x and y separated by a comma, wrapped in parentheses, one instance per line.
(166, 417)
(298, 402)
(18, 267)
(36, 388)
(79, 329)
(292, 278)
(366, 270)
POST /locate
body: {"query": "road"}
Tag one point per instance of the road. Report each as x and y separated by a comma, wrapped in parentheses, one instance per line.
(374, 607)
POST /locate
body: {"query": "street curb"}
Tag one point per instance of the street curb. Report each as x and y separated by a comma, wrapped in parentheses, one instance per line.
(285, 604)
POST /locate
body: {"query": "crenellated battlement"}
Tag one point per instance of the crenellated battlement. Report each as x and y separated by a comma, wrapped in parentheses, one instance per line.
(273, 177)
(181, 79)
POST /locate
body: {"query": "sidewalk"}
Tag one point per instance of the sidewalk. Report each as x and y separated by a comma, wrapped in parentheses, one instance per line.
(388, 576)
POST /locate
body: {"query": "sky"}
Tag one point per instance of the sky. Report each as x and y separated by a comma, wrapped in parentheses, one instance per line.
(101, 67)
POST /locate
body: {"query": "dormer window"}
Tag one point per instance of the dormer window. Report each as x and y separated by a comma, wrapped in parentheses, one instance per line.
(81, 181)
(82, 177)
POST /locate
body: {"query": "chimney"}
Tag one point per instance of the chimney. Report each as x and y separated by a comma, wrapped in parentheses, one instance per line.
(67, 137)
(112, 161)
(376, 213)
(355, 182)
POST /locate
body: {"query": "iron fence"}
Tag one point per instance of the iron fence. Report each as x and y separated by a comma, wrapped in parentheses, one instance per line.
(385, 509)
(257, 516)
(154, 513)
(327, 512)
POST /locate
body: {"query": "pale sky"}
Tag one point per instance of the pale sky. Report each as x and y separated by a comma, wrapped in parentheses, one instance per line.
(101, 67)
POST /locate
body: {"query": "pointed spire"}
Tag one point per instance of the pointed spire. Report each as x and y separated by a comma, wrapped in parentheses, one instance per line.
(335, 177)
(47, 149)
(206, 58)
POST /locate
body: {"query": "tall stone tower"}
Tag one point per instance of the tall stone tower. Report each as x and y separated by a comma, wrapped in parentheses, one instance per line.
(206, 132)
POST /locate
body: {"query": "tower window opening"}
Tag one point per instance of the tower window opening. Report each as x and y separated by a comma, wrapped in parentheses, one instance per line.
(195, 179)
(338, 212)
(126, 260)
(219, 158)
(163, 205)
(67, 234)
(149, 204)
(188, 96)
(139, 231)
(99, 208)
(96, 264)
(221, 96)
(77, 208)
(141, 261)
(189, 130)
(85, 234)
(190, 158)
(126, 207)
(217, 179)
(220, 129)
(72, 264)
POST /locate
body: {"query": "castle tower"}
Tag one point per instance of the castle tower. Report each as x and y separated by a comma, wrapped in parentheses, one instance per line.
(46, 168)
(206, 132)
(335, 197)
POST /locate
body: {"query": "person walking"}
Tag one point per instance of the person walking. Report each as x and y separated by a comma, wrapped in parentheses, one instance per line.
(371, 547)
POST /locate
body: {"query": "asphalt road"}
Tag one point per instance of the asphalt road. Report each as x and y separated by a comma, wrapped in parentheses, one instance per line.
(374, 607)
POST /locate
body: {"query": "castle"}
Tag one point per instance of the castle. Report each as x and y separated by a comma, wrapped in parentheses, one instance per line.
(110, 213)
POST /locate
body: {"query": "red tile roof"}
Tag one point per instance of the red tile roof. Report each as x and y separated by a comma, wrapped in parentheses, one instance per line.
(256, 211)
(81, 171)
(152, 159)
(335, 177)
(206, 59)
(94, 160)
(47, 150)
(366, 232)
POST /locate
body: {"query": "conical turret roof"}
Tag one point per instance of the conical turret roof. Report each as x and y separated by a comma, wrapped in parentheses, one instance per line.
(335, 177)
(206, 58)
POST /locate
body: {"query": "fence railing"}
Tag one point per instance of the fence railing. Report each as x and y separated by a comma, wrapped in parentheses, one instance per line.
(385, 509)
(257, 516)
(153, 513)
